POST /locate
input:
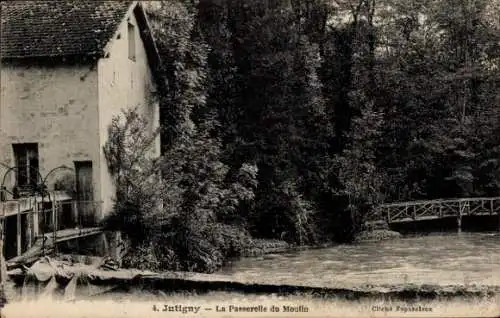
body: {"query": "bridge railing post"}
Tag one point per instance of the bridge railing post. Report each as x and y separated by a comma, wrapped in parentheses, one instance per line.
(498, 214)
(18, 231)
(459, 217)
(3, 266)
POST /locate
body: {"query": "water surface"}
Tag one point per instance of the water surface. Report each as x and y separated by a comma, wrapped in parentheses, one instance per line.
(442, 259)
(471, 258)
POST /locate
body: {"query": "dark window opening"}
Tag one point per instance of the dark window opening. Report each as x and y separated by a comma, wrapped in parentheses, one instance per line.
(27, 163)
(131, 41)
(85, 193)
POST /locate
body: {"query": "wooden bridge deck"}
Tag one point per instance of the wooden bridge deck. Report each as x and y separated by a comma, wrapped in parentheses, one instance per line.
(436, 209)
(45, 244)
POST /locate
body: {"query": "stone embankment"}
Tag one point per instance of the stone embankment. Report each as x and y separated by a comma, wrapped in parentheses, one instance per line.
(376, 231)
(376, 235)
(260, 247)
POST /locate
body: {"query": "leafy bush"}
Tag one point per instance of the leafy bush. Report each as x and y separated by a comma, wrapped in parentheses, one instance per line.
(190, 247)
(175, 202)
(360, 180)
(199, 197)
(153, 255)
(144, 257)
(135, 171)
(231, 240)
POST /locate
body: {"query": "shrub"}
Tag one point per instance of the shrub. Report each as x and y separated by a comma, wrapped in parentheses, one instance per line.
(181, 210)
(153, 255)
(229, 239)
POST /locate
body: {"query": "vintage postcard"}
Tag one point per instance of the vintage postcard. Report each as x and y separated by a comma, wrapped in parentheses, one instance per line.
(251, 158)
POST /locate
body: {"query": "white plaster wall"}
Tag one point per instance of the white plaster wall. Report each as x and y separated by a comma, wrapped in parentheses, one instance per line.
(54, 106)
(123, 83)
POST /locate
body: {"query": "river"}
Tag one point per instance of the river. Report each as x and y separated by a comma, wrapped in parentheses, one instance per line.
(442, 259)
(467, 259)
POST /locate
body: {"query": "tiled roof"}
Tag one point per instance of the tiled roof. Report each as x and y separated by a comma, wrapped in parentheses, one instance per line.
(58, 28)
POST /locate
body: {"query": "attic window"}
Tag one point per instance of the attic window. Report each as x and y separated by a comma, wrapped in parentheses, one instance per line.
(131, 41)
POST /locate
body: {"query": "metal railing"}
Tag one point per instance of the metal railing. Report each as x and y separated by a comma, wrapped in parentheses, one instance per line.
(429, 209)
(31, 217)
(57, 216)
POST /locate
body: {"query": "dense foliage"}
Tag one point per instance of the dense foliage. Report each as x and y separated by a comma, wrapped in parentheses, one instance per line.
(291, 119)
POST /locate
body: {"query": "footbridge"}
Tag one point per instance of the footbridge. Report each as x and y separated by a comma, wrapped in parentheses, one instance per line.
(35, 224)
(412, 211)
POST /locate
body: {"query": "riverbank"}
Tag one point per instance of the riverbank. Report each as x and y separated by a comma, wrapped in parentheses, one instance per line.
(268, 248)
(259, 247)
(81, 281)
(376, 235)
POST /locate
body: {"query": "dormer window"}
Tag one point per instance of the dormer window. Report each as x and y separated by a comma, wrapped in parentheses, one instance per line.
(131, 41)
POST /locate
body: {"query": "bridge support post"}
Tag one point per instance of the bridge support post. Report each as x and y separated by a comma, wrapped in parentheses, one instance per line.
(18, 231)
(498, 224)
(29, 229)
(3, 273)
(3, 266)
(54, 223)
(36, 222)
(459, 219)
